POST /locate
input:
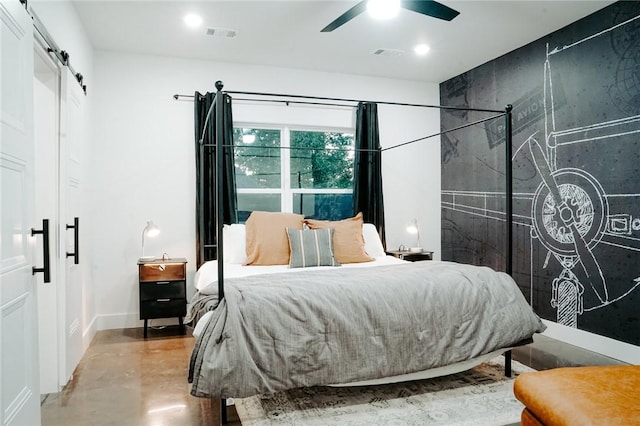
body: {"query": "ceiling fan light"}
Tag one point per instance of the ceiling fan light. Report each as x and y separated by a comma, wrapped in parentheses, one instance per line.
(383, 9)
(421, 49)
(192, 20)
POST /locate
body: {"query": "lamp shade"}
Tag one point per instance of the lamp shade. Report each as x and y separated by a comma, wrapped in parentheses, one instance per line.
(414, 229)
(151, 230)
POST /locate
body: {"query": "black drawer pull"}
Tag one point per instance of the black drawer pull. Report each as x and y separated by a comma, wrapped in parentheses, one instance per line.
(162, 282)
(163, 300)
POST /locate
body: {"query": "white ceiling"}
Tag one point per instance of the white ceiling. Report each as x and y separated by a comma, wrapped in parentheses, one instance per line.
(287, 33)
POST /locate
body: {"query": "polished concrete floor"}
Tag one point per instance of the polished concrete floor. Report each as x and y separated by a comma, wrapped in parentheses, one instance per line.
(125, 380)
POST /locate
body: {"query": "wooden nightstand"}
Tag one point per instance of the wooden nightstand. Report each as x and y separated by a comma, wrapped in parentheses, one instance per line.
(163, 290)
(410, 255)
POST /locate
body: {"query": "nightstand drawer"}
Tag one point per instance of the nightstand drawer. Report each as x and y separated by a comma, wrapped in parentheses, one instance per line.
(162, 290)
(416, 257)
(162, 272)
(411, 256)
(163, 308)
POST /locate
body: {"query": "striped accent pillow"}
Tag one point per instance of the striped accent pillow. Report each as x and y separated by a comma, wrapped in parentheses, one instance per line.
(311, 247)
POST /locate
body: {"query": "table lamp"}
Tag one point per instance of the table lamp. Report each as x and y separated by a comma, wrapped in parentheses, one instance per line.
(414, 229)
(151, 230)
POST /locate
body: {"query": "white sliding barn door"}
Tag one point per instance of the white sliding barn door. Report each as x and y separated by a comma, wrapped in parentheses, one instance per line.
(71, 145)
(19, 381)
(46, 96)
(58, 138)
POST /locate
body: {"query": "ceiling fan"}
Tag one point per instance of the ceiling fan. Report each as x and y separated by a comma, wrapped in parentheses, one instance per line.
(425, 7)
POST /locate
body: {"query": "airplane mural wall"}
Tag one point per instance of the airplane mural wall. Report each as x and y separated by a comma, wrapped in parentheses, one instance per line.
(576, 171)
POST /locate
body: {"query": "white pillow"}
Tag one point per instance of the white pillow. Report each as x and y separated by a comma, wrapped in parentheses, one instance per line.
(234, 239)
(235, 242)
(372, 244)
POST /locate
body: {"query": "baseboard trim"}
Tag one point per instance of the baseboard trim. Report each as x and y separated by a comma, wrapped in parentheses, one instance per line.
(88, 334)
(612, 348)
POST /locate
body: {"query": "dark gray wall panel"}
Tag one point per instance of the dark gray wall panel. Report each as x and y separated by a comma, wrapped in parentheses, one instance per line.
(576, 99)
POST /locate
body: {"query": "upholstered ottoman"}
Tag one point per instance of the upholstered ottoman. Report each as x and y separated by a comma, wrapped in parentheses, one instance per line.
(580, 396)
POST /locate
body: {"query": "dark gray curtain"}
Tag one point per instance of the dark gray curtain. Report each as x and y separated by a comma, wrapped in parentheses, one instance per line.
(206, 174)
(367, 185)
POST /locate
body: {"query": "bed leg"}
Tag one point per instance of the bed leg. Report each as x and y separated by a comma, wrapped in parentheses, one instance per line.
(507, 363)
(223, 411)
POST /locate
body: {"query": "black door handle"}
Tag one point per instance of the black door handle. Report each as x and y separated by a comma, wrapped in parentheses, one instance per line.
(45, 251)
(76, 239)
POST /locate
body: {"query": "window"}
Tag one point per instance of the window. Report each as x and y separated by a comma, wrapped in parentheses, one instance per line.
(300, 171)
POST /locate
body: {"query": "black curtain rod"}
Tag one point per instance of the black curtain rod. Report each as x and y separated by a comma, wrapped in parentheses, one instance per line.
(177, 96)
(281, 95)
(53, 48)
(294, 102)
(287, 102)
(445, 131)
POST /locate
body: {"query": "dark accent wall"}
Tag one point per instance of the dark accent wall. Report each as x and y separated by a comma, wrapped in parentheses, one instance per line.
(576, 171)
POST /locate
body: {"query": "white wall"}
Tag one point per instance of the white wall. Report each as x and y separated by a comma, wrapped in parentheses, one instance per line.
(144, 165)
(411, 173)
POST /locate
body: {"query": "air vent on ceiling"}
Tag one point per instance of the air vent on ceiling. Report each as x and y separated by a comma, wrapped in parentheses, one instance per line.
(222, 32)
(388, 52)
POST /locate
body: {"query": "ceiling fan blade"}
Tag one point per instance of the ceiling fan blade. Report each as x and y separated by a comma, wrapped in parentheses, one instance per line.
(346, 17)
(430, 8)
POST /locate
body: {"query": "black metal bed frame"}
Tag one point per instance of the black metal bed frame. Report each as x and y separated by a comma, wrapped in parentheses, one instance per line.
(219, 198)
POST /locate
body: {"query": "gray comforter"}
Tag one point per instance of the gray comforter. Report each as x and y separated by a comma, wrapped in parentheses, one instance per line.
(282, 331)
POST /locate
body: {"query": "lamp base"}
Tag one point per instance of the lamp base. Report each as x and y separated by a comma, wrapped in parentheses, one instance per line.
(415, 249)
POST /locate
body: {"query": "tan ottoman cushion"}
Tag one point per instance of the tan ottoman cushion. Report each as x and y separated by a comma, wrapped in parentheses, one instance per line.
(528, 419)
(582, 395)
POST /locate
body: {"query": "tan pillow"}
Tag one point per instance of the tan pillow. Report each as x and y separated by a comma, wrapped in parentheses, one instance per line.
(348, 243)
(267, 242)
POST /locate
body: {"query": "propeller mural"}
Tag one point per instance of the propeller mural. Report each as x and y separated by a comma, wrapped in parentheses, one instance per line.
(567, 221)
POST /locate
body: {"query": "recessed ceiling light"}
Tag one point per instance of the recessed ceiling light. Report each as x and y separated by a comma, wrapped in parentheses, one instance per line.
(421, 49)
(383, 9)
(192, 20)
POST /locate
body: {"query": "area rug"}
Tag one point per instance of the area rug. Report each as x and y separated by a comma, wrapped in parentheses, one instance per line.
(477, 397)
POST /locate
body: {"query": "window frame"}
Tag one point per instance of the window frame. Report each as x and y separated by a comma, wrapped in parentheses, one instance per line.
(286, 190)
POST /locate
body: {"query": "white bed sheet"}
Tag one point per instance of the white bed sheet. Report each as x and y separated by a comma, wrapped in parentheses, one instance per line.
(206, 279)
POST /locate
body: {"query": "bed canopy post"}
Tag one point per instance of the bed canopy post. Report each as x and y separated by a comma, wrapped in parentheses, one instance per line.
(218, 141)
(508, 148)
(509, 187)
